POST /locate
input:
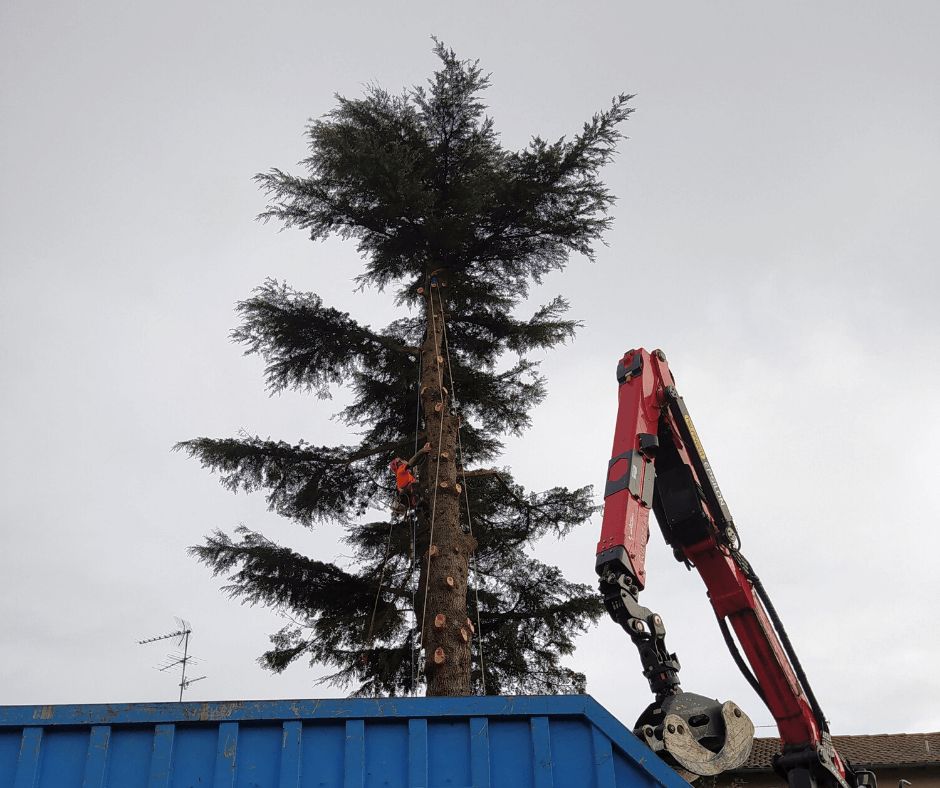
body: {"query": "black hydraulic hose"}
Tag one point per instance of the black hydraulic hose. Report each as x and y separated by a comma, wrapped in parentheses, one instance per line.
(739, 660)
(788, 647)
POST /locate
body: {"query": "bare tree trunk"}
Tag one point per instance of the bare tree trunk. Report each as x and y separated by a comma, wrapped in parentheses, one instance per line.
(446, 549)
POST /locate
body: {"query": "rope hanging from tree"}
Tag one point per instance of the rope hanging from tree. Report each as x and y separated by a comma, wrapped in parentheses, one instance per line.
(411, 515)
(466, 496)
(378, 591)
(414, 542)
(410, 510)
(453, 394)
(437, 472)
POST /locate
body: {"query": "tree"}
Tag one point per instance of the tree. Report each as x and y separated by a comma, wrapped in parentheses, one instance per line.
(460, 228)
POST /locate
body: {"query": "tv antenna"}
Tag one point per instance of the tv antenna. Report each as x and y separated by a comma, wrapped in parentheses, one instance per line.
(182, 633)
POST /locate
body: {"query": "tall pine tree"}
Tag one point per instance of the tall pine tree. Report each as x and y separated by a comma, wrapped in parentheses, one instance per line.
(459, 228)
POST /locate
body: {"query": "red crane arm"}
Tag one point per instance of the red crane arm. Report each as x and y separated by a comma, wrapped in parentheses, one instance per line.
(658, 463)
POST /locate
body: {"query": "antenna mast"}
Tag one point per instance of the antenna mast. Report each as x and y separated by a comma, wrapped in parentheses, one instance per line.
(172, 660)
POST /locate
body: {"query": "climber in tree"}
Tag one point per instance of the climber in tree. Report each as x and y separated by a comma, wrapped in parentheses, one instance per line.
(421, 180)
(405, 480)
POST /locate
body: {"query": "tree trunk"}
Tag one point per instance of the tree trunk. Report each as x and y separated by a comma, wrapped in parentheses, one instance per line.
(446, 549)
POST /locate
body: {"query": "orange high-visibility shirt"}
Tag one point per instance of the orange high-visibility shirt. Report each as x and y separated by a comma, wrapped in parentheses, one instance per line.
(403, 476)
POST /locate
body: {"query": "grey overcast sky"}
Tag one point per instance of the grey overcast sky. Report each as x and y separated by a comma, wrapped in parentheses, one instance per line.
(776, 234)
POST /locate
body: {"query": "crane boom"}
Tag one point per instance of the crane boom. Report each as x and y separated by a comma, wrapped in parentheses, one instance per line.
(658, 463)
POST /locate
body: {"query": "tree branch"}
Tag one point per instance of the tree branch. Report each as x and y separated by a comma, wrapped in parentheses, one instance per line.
(363, 453)
(391, 344)
(480, 472)
(512, 492)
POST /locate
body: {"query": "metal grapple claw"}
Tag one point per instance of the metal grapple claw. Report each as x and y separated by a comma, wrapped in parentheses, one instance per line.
(698, 736)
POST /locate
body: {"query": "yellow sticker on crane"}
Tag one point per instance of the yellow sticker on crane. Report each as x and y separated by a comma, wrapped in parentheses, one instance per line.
(694, 434)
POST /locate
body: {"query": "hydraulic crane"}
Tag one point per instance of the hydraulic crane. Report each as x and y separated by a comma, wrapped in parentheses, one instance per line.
(658, 463)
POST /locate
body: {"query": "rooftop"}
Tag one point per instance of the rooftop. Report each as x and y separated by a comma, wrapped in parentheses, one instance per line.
(880, 749)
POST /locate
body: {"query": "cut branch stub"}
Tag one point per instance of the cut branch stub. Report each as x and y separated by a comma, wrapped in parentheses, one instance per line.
(445, 455)
(445, 484)
(438, 407)
(470, 625)
(439, 621)
(439, 656)
(457, 488)
(440, 359)
(420, 291)
(432, 550)
(450, 581)
(464, 635)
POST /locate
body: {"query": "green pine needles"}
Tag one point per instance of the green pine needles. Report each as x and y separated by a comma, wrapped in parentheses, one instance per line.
(459, 229)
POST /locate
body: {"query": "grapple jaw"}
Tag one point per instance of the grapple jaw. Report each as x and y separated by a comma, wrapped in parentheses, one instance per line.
(697, 736)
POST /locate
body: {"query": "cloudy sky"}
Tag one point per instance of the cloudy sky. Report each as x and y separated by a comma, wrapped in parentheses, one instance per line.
(775, 234)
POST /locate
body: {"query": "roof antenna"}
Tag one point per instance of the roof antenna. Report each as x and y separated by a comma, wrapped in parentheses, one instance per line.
(184, 630)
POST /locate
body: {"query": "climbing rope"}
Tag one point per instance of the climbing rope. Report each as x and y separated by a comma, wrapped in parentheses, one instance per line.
(416, 675)
(414, 541)
(378, 591)
(412, 516)
(466, 496)
(437, 472)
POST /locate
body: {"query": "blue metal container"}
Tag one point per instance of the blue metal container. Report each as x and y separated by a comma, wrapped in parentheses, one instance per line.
(543, 742)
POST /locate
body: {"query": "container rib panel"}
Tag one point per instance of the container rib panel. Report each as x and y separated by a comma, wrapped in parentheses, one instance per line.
(27, 765)
(480, 752)
(417, 753)
(291, 754)
(161, 758)
(603, 759)
(355, 754)
(225, 756)
(542, 753)
(96, 762)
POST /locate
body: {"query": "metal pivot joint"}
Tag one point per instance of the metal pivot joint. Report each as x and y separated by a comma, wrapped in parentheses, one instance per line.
(647, 632)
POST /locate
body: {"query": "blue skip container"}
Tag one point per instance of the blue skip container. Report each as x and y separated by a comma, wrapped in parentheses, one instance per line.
(567, 741)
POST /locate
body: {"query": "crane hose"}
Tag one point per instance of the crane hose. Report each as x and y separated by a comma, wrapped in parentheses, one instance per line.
(739, 660)
(784, 639)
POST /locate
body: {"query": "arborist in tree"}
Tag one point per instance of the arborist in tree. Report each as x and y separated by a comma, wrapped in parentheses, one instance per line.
(405, 481)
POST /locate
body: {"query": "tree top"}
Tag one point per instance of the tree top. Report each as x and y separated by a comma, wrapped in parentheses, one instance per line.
(422, 182)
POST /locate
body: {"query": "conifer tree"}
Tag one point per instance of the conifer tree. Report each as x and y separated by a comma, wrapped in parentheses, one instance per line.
(458, 228)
